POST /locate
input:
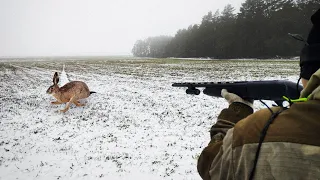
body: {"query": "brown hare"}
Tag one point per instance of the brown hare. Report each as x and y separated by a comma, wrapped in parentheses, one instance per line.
(69, 93)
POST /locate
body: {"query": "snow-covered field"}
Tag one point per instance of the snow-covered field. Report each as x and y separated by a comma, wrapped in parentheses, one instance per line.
(137, 126)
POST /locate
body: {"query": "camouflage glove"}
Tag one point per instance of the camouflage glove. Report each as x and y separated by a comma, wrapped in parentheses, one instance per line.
(231, 98)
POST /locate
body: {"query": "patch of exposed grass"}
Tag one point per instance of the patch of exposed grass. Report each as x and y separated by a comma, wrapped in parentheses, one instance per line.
(7, 66)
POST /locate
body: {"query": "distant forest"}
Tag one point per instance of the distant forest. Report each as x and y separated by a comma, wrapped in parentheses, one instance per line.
(259, 30)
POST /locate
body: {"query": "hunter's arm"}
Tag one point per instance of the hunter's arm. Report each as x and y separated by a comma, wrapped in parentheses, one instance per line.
(226, 120)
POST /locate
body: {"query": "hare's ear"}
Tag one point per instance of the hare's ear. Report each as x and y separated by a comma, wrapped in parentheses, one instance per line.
(55, 78)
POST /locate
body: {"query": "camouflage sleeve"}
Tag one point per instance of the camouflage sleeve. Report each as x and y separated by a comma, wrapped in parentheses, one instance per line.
(226, 120)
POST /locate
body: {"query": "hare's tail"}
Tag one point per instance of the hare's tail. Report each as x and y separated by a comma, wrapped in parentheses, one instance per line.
(91, 92)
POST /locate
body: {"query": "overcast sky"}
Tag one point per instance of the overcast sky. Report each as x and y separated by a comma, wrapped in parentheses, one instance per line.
(93, 27)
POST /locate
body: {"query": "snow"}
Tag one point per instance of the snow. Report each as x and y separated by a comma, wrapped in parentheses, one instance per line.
(63, 77)
(137, 126)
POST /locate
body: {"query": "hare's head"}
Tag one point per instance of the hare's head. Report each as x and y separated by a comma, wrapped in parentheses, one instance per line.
(54, 88)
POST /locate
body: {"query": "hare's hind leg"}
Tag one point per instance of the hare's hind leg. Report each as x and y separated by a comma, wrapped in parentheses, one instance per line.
(69, 104)
(77, 103)
(66, 108)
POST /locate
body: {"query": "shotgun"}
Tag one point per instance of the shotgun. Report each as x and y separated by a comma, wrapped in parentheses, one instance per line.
(250, 90)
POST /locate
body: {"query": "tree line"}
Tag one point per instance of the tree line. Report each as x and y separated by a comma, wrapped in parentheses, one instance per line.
(259, 30)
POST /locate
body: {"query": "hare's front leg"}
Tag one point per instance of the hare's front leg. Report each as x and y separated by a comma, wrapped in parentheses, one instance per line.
(56, 102)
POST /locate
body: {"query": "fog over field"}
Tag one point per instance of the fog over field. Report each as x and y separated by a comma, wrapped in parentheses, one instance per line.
(137, 126)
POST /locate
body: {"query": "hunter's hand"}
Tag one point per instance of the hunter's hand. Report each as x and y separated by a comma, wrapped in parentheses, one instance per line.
(231, 98)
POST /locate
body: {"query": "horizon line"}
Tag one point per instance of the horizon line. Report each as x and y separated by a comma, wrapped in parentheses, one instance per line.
(57, 56)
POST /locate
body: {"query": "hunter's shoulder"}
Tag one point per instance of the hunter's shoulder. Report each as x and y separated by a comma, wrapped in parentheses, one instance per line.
(248, 130)
(298, 124)
(259, 117)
